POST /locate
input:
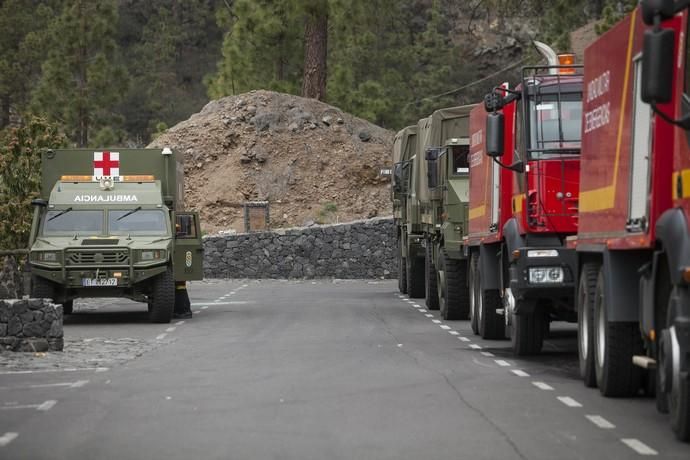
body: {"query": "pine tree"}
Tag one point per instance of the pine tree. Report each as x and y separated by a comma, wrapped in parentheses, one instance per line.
(315, 49)
(82, 79)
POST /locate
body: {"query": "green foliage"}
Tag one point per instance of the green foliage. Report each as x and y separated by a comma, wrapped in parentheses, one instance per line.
(327, 213)
(20, 176)
(614, 12)
(81, 79)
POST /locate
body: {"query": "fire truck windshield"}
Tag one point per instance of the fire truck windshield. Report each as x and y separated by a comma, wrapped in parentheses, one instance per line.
(554, 122)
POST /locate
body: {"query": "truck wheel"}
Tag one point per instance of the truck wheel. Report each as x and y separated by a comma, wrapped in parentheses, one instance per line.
(430, 288)
(402, 275)
(586, 293)
(491, 325)
(41, 288)
(163, 298)
(474, 289)
(615, 343)
(67, 307)
(679, 407)
(453, 294)
(414, 268)
(527, 333)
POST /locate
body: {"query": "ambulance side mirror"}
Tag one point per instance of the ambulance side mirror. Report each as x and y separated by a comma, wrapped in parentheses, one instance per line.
(657, 66)
(494, 134)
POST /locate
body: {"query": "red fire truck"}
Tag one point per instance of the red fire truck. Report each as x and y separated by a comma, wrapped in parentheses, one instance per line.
(633, 240)
(524, 204)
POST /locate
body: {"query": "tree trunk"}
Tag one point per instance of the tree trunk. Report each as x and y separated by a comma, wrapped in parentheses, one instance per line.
(315, 54)
(4, 111)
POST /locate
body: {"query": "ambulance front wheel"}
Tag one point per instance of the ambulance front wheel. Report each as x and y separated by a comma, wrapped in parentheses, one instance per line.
(162, 298)
(430, 286)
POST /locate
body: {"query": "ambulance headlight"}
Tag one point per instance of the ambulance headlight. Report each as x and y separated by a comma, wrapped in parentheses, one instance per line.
(49, 257)
(546, 275)
(151, 255)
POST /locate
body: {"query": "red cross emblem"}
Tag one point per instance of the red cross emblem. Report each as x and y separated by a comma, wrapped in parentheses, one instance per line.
(106, 164)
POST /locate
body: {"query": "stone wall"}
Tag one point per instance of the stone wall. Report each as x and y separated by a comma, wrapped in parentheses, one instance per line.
(363, 249)
(30, 325)
(11, 280)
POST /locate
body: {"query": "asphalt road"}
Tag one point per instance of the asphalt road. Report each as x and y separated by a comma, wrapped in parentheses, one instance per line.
(309, 370)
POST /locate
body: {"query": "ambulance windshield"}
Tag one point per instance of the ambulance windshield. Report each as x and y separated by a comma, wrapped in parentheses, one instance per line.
(61, 223)
(141, 222)
(554, 124)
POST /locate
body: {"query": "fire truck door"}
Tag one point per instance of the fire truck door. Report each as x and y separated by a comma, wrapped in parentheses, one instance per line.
(641, 147)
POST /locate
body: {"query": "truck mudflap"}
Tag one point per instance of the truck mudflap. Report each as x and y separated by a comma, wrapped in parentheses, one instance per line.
(75, 278)
(542, 273)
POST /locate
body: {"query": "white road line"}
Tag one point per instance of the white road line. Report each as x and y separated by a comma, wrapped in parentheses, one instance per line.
(464, 339)
(474, 346)
(601, 422)
(204, 307)
(235, 302)
(71, 369)
(639, 447)
(543, 386)
(47, 405)
(568, 401)
(488, 354)
(161, 336)
(436, 321)
(453, 332)
(421, 310)
(429, 315)
(520, 373)
(170, 329)
(444, 327)
(416, 305)
(502, 363)
(79, 384)
(179, 323)
(7, 438)
(102, 369)
(196, 312)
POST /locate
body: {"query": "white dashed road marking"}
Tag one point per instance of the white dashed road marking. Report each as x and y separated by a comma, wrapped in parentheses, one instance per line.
(170, 329)
(204, 307)
(502, 363)
(601, 422)
(520, 373)
(444, 327)
(474, 346)
(435, 321)
(161, 336)
(7, 438)
(421, 310)
(568, 401)
(47, 405)
(639, 447)
(488, 354)
(429, 315)
(543, 386)
(464, 339)
(453, 332)
(179, 323)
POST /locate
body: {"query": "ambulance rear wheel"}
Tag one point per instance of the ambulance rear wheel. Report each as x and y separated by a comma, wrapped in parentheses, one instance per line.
(430, 287)
(162, 298)
(527, 333)
(473, 291)
(615, 343)
(453, 293)
(491, 324)
(586, 294)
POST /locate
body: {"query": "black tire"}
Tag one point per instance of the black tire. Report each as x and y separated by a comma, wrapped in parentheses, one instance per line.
(491, 324)
(474, 292)
(527, 333)
(67, 307)
(402, 275)
(679, 408)
(586, 293)
(162, 298)
(41, 288)
(453, 292)
(414, 267)
(430, 288)
(615, 344)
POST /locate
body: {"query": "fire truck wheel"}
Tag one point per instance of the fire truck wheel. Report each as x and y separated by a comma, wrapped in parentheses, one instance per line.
(527, 334)
(430, 288)
(474, 289)
(679, 407)
(163, 298)
(414, 268)
(453, 293)
(402, 275)
(41, 288)
(491, 324)
(586, 293)
(615, 343)
(67, 307)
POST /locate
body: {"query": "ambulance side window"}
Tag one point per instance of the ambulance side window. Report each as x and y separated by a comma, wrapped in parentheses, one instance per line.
(185, 226)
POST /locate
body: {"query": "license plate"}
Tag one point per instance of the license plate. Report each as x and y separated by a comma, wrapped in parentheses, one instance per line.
(98, 282)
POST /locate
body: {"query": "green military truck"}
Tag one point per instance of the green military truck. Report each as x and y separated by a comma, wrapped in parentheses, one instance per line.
(111, 224)
(442, 191)
(404, 148)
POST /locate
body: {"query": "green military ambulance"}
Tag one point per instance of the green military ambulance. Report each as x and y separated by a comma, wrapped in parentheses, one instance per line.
(111, 224)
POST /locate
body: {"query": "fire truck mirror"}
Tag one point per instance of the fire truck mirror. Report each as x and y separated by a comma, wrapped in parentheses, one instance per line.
(494, 134)
(492, 102)
(652, 8)
(657, 66)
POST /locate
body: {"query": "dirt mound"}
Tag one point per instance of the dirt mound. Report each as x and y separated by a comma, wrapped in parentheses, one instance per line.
(309, 160)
